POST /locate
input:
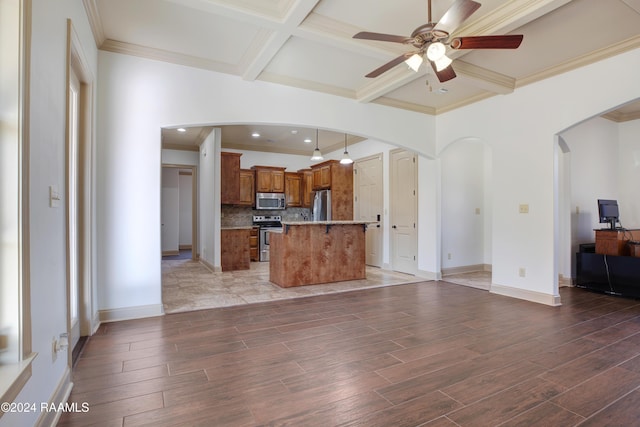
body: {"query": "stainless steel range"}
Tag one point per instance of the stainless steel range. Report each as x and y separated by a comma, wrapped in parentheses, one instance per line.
(268, 224)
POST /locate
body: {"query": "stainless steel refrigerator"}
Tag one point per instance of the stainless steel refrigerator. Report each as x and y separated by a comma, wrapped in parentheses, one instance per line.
(322, 205)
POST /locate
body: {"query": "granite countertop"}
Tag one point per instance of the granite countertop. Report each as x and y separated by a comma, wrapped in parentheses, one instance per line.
(327, 222)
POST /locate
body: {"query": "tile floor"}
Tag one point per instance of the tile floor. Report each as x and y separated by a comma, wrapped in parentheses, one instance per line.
(188, 285)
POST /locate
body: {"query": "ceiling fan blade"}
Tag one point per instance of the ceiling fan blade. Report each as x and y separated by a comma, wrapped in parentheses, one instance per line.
(445, 74)
(382, 37)
(487, 42)
(456, 15)
(386, 67)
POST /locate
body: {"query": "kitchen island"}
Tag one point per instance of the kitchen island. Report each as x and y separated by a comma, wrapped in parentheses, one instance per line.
(309, 253)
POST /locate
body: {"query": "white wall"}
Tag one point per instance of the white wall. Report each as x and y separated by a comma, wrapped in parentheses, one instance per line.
(47, 167)
(170, 215)
(629, 173)
(209, 205)
(594, 155)
(180, 157)
(463, 191)
(521, 128)
(185, 209)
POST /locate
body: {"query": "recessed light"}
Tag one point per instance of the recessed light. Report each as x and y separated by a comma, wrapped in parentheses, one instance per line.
(181, 130)
(255, 135)
(294, 132)
(308, 140)
(443, 90)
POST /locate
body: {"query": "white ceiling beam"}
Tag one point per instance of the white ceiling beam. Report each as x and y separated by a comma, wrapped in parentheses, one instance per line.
(266, 46)
(509, 16)
(387, 82)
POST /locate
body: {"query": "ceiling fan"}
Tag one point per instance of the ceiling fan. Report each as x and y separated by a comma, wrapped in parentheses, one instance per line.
(432, 38)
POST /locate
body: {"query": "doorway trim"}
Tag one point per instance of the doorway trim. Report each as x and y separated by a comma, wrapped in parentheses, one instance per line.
(195, 255)
(77, 64)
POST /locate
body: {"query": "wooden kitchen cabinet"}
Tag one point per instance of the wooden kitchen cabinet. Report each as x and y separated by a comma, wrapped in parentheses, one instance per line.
(322, 176)
(338, 178)
(306, 187)
(229, 178)
(247, 188)
(254, 244)
(292, 189)
(269, 179)
(235, 249)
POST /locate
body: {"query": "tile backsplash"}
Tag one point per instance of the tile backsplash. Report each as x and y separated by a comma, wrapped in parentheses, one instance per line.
(241, 216)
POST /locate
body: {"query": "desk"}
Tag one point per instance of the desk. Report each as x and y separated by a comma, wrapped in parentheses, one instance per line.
(614, 242)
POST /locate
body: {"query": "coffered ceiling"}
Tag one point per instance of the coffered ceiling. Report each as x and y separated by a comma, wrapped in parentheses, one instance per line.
(309, 43)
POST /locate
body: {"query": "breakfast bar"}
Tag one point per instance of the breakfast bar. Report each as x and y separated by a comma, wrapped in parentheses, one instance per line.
(309, 253)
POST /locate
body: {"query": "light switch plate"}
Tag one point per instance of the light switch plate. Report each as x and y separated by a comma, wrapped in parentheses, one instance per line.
(54, 196)
(524, 208)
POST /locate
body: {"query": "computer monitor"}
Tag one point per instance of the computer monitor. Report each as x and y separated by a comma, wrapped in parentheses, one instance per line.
(608, 212)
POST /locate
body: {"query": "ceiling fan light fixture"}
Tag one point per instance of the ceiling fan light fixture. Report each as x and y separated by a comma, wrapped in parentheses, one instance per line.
(317, 155)
(346, 160)
(442, 63)
(414, 62)
(435, 51)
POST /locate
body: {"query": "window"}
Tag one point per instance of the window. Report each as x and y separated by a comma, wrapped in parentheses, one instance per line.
(15, 328)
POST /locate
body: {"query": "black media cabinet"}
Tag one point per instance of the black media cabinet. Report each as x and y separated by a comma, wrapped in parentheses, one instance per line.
(617, 275)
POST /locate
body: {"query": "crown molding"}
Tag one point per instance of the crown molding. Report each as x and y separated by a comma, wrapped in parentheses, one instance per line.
(166, 56)
(390, 102)
(93, 15)
(620, 117)
(583, 60)
(306, 84)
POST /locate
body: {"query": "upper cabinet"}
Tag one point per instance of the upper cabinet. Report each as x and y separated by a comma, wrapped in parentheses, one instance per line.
(229, 178)
(339, 179)
(247, 188)
(322, 176)
(292, 189)
(269, 179)
(306, 187)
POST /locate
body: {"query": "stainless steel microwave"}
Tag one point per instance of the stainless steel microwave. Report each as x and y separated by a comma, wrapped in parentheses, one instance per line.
(270, 201)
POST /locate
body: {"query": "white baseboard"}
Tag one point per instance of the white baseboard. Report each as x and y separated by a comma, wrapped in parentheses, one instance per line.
(60, 396)
(540, 298)
(211, 267)
(465, 269)
(95, 322)
(126, 313)
(428, 275)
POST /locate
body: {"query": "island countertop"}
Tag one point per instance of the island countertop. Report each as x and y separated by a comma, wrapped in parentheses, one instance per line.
(309, 253)
(326, 222)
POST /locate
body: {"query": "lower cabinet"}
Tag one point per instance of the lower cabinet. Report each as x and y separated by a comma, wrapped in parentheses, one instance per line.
(235, 248)
(254, 244)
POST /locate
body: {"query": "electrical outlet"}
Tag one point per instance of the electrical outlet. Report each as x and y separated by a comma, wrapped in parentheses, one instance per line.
(522, 272)
(524, 208)
(477, 211)
(577, 210)
(448, 256)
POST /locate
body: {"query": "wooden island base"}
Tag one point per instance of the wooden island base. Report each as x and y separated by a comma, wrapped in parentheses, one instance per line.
(309, 253)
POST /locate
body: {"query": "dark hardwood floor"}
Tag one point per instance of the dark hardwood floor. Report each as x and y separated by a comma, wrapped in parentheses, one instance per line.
(425, 354)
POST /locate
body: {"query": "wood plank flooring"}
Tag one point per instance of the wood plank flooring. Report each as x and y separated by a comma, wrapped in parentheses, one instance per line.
(426, 354)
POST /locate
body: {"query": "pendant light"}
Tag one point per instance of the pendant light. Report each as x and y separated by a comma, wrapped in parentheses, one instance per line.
(346, 160)
(317, 155)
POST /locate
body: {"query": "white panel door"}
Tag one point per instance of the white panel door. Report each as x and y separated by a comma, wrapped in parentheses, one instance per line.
(369, 205)
(403, 187)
